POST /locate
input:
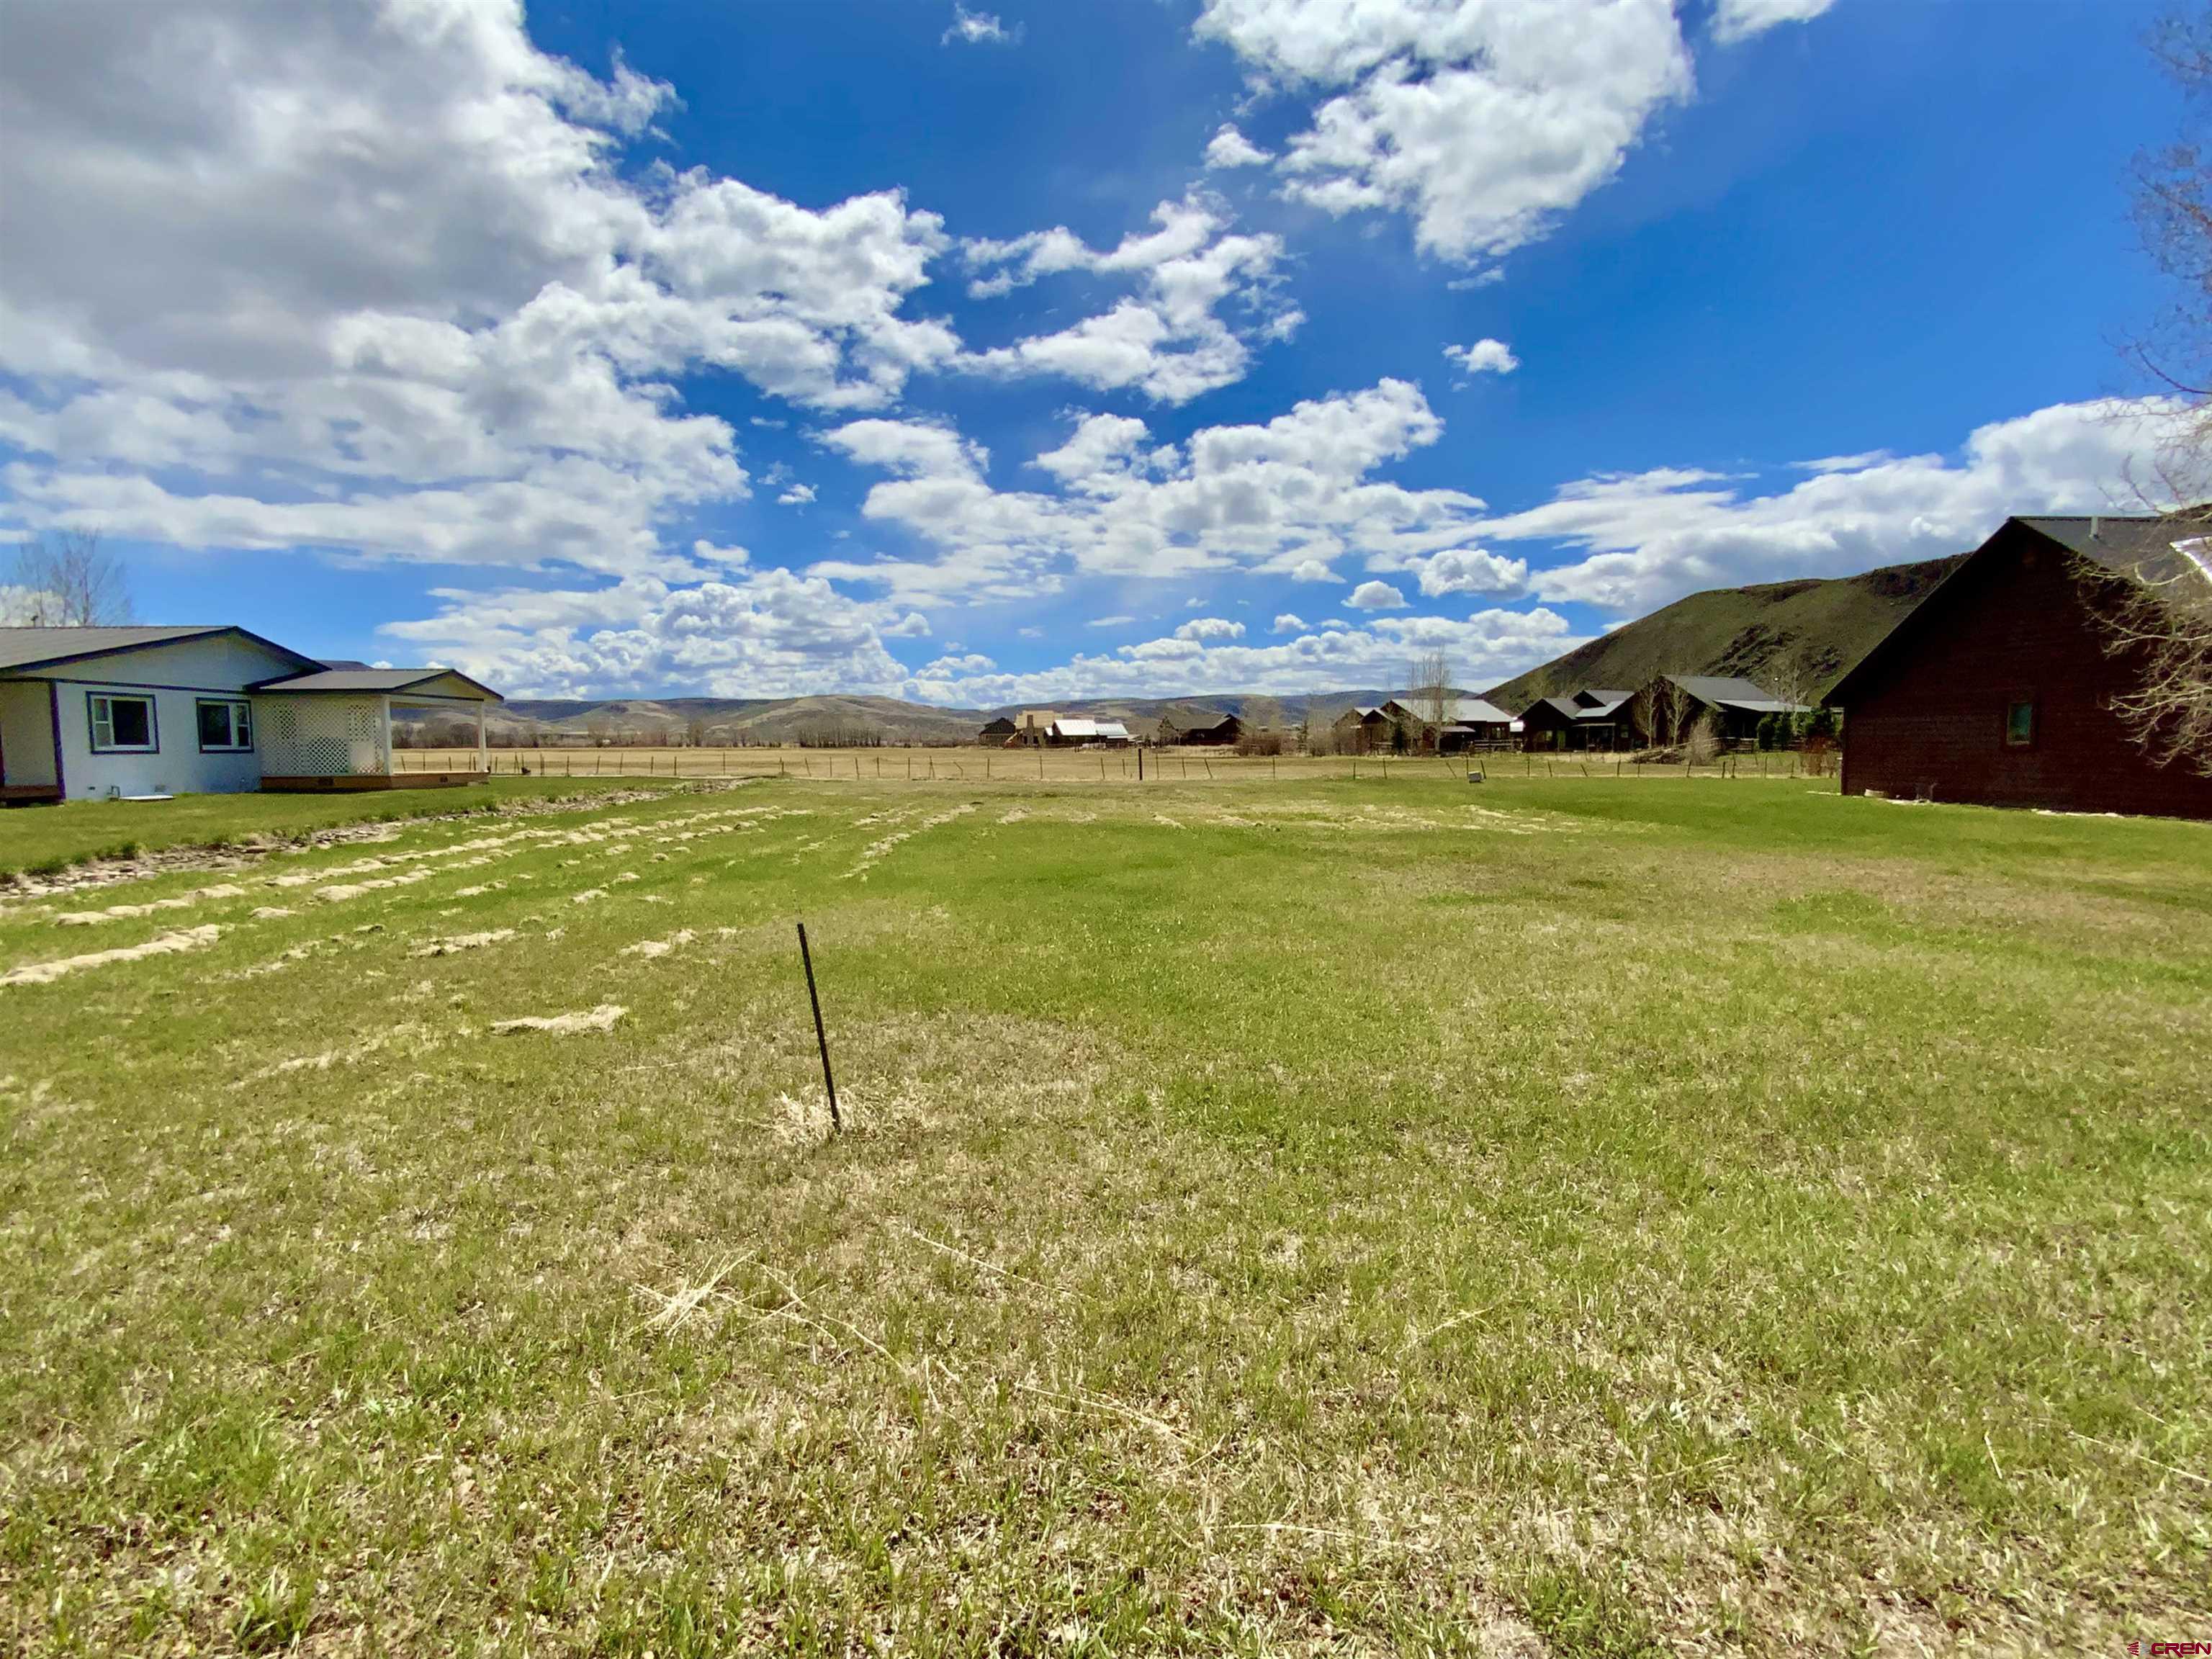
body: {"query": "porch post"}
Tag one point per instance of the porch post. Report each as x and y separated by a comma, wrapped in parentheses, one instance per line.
(384, 737)
(484, 755)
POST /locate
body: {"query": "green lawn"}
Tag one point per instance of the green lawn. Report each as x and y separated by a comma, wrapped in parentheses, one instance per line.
(1567, 1217)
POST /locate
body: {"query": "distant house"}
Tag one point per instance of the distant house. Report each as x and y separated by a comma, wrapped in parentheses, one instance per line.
(1071, 731)
(999, 731)
(1552, 723)
(1669, 709)
(1031, 724)
(105, 712)
(1998, 687)
(1362, 731)
(1604, 712)
(1199, 731)
(1466, 722)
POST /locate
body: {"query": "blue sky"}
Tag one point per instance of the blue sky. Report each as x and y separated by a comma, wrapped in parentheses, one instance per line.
(999, 354)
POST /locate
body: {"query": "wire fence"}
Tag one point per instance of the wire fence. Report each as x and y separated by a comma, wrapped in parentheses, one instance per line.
(980, 765)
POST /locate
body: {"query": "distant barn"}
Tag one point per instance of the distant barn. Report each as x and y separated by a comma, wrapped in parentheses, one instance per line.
(999, 731)
(1998, 687)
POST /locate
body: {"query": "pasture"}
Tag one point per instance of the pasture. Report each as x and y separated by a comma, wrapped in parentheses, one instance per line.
(1301, 1214)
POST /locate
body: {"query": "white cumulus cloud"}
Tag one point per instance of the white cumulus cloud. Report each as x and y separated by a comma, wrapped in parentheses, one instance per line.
(1484, 357)
(1229, 148)
(1739, 20)
(1649, 537)
(1484, 121)
(1289, 497)
(1374, 596)
(1169, 339)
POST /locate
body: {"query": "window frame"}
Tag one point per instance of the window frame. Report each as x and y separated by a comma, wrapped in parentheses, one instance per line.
(241, 716)
(2034, 723)
(93, 722)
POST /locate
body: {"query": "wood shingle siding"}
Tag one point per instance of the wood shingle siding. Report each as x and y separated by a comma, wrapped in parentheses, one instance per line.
(1930, 711)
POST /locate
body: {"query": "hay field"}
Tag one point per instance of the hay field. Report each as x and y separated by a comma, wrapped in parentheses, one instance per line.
(1560, 1216)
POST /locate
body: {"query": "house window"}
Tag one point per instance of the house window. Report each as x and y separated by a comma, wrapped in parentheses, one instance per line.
(2020, 724)
(226, 728)
(122, 726)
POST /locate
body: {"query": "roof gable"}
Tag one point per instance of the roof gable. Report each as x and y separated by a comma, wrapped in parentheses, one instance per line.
(46, 647)
(2158, 548)
(390, 682)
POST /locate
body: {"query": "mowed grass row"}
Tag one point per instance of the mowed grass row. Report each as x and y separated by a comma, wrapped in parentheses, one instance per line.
(48, 840)
(1567, 1217)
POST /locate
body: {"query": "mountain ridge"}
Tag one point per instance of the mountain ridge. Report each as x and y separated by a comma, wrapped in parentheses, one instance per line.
(1808, 631)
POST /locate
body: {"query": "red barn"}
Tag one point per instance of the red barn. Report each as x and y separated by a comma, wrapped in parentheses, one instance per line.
(1997, 688)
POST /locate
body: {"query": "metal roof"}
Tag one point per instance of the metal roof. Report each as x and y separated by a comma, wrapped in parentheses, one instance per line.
(1457, 711)
(1602, 711)
(1070, 725)
(1593, 696)
(1728, 691)
(374, 679)
(34, 648)
(2156, 548)
(1565, 708)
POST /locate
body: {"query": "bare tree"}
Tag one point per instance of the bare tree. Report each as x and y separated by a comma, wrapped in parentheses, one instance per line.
(2165, 624)
(1792, 678)
(1674, 709)
(1703, 741)
(1643, 712)
(2163, 627)
(1429, 687)
(63, 579)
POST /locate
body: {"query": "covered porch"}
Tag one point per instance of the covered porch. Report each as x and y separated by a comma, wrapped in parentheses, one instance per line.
(331, 731)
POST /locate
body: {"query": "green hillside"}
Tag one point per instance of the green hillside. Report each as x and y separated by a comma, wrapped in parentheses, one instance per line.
(1753, 631)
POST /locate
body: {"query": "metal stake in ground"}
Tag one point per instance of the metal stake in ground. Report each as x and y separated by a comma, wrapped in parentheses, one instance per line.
(837, 1123)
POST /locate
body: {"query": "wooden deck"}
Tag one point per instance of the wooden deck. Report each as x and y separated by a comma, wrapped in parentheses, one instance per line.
(29, 794)
(375, 780)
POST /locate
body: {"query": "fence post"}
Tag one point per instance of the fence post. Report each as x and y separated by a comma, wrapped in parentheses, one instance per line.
(821, 1037)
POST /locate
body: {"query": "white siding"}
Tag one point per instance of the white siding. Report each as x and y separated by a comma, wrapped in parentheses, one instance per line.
(26, 733)
(177, 768)
(176, 676)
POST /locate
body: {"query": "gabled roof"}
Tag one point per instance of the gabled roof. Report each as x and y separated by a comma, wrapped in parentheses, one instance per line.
(1729, 691)
(1595, 696)
(2155, 548)
(1475, 711)
(386, 681)
(1565, 708)
(1457, 711)
(1602, 711)
(1073, 725)
(43, 647)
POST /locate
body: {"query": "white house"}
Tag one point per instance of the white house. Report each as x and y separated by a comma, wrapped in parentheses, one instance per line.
(98, 713)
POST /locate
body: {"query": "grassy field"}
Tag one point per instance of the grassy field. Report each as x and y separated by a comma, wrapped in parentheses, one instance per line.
(1559, 1217)
(46, 840)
